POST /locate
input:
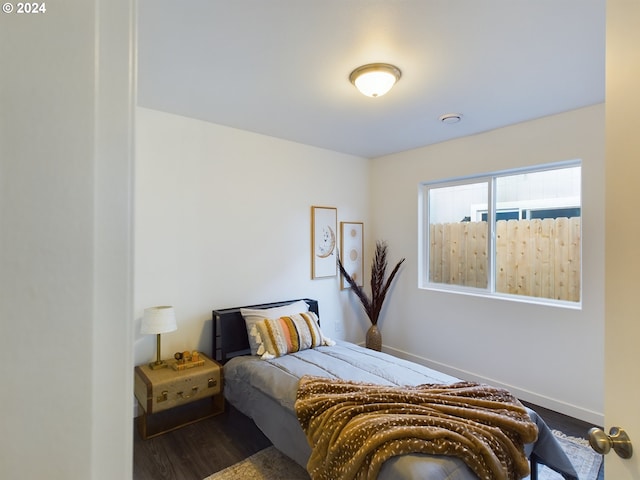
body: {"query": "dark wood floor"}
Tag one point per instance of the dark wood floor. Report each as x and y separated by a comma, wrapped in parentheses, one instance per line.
(198, 450)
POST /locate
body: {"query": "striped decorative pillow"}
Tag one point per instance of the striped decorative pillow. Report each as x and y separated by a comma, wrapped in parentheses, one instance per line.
(252, 316)
(288, 334)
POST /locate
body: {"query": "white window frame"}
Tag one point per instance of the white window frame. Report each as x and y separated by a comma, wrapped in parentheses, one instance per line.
(490, 179)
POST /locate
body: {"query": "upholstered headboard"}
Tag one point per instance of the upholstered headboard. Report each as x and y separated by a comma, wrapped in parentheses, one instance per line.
(229, 332)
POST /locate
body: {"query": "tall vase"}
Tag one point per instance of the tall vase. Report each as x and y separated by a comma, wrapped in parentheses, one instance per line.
(374, 338)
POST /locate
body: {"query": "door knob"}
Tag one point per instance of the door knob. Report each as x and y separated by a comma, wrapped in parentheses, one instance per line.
(617, 439)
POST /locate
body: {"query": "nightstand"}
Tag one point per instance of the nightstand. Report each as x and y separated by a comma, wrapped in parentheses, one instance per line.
(171, 398)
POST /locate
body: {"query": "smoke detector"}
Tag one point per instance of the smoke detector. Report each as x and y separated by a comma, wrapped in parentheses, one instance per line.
(451, 118)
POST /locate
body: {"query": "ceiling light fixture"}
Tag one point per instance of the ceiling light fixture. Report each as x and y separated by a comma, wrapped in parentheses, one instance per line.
(375, 79)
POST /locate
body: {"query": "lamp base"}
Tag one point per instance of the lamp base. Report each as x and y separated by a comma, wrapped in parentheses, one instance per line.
(158, 365)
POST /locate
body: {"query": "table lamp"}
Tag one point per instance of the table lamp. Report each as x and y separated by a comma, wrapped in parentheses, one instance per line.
(157, 320)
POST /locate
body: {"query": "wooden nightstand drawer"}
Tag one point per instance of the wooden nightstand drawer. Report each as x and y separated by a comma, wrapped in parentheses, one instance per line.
(166, 393)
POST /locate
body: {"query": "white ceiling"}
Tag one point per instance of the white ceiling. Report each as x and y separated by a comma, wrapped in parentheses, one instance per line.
(281, 67)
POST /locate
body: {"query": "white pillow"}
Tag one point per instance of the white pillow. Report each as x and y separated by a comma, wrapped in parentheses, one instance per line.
(252, 316)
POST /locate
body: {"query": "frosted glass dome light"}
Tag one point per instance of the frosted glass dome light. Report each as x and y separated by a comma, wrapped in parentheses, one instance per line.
(375, 79)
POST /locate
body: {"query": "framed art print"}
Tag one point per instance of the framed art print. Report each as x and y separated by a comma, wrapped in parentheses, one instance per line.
(351, 248)
(323, 241)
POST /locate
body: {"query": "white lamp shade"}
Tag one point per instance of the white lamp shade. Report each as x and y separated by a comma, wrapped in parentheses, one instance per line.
(158, 320)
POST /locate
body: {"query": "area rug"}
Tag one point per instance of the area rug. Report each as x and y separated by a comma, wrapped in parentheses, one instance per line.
(267, 464)
(271, 464)
(585, 460)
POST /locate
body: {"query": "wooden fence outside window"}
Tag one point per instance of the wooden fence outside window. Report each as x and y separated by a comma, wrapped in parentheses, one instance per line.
(536, 258)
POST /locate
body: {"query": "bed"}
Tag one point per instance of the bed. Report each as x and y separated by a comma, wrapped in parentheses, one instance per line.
(265, 390)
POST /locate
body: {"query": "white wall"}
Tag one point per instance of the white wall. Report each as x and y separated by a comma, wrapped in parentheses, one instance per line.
(223, 219)
(65, 242)
(551, 356)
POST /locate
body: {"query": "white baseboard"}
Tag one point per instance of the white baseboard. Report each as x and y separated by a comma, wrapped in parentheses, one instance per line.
(575, 411)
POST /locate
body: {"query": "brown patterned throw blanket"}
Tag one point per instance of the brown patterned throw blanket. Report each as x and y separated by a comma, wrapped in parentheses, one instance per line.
(354, 427)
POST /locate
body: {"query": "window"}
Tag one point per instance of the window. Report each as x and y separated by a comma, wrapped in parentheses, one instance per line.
(514, 234)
